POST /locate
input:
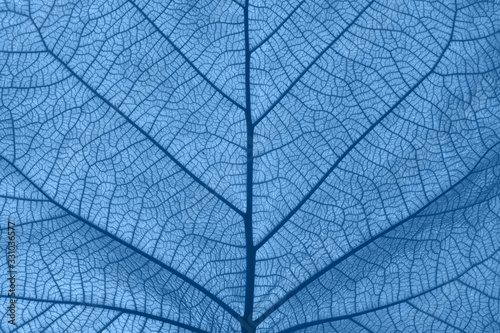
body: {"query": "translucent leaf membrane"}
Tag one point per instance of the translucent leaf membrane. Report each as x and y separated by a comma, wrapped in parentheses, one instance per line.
(243, 166)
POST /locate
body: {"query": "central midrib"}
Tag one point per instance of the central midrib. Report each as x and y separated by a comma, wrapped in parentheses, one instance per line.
(247, 325)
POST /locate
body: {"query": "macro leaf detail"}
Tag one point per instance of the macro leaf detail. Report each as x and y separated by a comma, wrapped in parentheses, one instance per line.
(259, 166)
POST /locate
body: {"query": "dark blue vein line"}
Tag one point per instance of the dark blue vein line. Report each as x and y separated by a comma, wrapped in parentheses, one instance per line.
(111, 322)
(21, 199)
(134, 249)
(278, 100)
(352, 146)
(185, 57)
(434, 317)
(58, 317)
(363, 245)
(33, 318)
(113, 308)
(68, 325)
(277, 28)
(248, 326)
(361, 325)
(149, 137)
(405, 300)
(24, 224)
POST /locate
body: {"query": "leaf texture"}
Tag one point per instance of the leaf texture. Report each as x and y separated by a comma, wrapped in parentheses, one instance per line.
(257, 166)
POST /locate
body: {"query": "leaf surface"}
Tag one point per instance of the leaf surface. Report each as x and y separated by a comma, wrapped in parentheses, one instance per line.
(226, 166)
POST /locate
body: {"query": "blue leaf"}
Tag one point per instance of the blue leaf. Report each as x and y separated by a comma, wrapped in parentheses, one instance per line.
(228, 166)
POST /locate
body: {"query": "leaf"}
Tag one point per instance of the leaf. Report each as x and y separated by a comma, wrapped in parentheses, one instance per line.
(217, 166)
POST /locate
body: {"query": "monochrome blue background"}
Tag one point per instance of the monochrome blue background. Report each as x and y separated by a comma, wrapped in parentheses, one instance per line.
(268, 166)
